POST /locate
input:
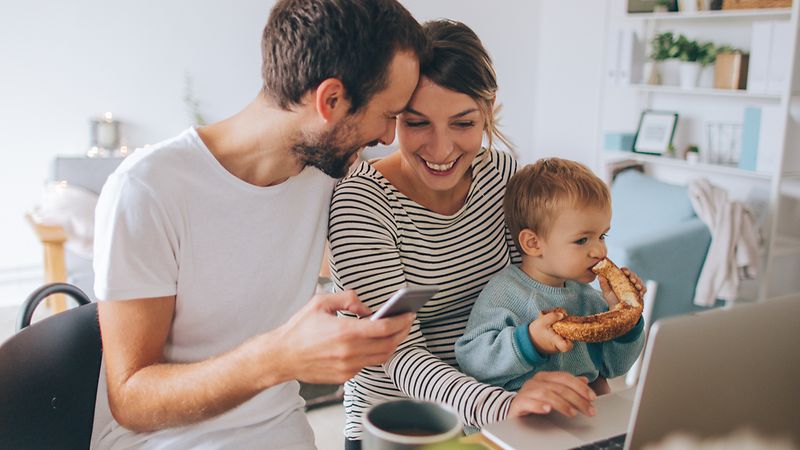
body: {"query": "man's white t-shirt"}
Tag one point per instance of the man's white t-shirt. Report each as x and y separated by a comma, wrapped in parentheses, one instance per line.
(240, 259)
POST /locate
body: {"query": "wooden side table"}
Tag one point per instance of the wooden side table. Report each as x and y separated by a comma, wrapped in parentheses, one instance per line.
(52, 238)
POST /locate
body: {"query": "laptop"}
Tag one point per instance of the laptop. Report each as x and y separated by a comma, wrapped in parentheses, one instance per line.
(707, 375)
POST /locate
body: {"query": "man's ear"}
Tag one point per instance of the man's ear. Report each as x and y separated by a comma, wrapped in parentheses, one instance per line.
(331, 101)
(530, 242)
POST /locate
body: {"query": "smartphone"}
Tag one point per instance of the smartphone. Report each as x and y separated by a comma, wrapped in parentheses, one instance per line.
(407, 299)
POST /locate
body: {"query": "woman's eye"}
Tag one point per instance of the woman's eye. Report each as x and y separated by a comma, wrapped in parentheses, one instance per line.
(416, 123)
(465, 124)
(582, 241)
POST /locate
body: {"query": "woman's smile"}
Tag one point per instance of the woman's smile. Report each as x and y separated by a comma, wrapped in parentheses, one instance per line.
(439, 170)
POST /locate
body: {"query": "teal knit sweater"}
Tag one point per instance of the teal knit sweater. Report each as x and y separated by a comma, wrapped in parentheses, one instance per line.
(496, 347)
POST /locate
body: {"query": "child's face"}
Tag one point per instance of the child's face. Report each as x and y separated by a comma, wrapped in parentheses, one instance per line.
(575, 243)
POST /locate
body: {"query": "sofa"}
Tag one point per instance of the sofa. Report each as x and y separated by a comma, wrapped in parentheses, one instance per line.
(656, 233)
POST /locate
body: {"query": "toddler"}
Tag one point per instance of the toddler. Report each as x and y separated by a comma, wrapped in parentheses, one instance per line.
(558, 213)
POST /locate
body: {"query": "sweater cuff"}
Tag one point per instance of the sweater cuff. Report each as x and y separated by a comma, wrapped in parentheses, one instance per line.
(632, 335)
(526, 347)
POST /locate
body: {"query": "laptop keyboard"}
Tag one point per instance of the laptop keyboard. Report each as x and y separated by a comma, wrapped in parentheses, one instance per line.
(610, 443)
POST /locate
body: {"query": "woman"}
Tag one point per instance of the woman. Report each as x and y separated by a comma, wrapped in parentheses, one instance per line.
(431, 214)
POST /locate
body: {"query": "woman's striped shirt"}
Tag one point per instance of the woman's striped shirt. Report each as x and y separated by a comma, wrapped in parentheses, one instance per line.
(382, 241)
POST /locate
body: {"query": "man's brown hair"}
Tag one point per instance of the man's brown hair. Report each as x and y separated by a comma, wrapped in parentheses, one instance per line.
(538, 192)
(308, 41)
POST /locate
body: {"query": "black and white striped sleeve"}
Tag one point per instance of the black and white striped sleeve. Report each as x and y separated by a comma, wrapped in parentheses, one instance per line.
(365, 257)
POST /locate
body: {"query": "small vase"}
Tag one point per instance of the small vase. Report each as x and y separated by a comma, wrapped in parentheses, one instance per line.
(689, 74)
(650, 73)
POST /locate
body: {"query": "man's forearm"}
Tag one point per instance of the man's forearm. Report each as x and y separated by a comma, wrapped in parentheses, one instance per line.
(170, 395)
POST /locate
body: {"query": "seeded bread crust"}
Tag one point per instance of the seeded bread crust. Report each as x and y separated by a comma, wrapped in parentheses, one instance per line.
(608, 325)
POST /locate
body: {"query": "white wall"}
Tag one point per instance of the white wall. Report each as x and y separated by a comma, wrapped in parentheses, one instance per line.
(62, 63)
(569, 82)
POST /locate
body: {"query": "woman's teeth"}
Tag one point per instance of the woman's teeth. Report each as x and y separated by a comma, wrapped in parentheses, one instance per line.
(440, 167)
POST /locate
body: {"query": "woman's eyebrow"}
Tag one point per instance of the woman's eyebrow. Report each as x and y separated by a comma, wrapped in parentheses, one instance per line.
(464, 113)
(413, 111)
(454, 116)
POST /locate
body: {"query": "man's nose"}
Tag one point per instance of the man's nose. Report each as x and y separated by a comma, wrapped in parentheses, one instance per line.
(388, 136)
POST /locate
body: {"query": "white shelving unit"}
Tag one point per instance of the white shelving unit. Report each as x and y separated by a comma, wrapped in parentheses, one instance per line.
(701, 92)
(777, 193)
(734, 14)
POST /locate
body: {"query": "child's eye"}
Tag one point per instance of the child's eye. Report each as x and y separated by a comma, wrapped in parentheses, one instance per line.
(416, 123)
(603, 236)
(581, 241)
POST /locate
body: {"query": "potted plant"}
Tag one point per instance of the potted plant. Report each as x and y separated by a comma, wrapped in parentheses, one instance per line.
(659, 51)
(693, 56)
(692, 155)
(664, 52)
(707, 58)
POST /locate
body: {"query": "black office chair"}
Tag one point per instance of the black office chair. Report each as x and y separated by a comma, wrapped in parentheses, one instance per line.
(48, 375)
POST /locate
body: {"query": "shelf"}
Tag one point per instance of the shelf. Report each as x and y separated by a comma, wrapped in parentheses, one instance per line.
(791, 176)
(611, 156)
(740, 14)
(730, 93)
(786, 246)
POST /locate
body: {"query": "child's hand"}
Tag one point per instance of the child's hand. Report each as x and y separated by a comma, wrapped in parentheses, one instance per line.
(544, 339)
(609, 295)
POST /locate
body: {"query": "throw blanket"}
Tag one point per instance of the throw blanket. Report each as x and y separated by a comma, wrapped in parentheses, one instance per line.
(71, 208)
(734, 252)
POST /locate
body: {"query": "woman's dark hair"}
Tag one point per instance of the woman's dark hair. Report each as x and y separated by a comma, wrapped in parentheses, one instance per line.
(354, 41)
(459, 62)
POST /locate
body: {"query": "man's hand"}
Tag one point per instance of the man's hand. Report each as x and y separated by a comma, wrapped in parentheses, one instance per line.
(560, 391)
(609, 295)
(544, 339)
(316, 346)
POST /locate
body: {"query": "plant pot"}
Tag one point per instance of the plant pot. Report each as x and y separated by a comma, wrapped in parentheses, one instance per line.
(670, 72)
(689, 74)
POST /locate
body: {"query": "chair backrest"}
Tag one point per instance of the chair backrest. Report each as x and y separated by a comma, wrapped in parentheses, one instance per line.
(48, 376)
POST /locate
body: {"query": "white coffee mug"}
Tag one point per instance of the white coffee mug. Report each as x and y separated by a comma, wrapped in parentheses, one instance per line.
(408, 424)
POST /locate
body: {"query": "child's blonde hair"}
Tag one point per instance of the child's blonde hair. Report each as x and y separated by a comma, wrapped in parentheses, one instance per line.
(539, 191)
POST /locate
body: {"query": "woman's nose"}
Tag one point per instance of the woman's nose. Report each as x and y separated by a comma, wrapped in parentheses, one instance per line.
(441, 146)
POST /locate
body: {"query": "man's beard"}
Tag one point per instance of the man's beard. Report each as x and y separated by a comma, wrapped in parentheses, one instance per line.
(329, 152)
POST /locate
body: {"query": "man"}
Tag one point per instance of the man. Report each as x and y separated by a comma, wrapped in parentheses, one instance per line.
(208, 245)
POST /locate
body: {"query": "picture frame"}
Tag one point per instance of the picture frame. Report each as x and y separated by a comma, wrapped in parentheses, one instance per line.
(655, 132)
(650, 6)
